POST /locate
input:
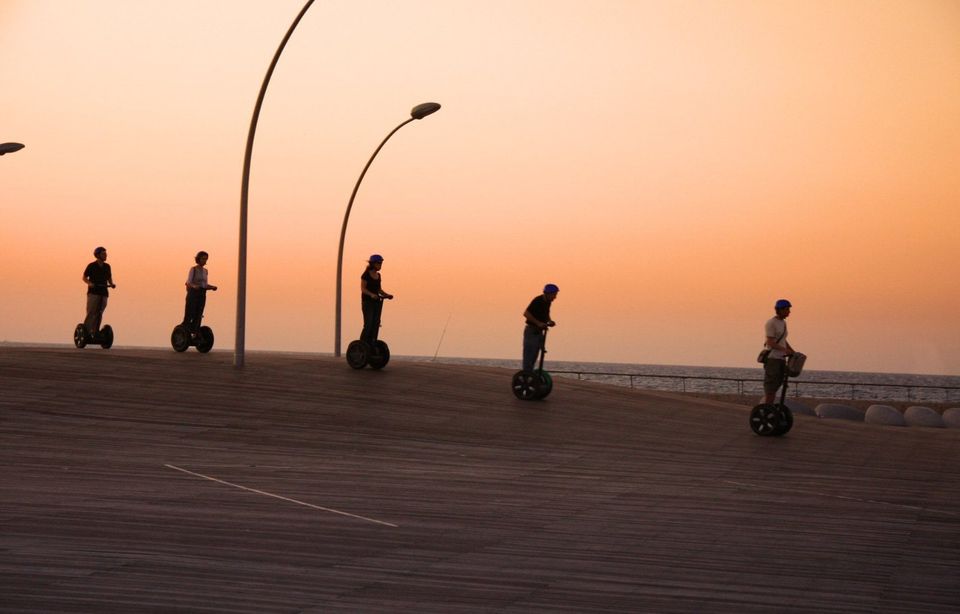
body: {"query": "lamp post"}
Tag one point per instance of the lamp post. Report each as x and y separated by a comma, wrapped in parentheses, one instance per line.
(418, 112)
(6, 148)
(239, 343)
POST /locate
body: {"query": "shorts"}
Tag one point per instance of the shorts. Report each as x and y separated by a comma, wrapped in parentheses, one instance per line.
(774, 372)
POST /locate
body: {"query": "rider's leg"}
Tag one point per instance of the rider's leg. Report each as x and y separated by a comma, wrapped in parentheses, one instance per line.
(532, 342)
(370, 321)
(774, 371)
(96, 304)
(377, 313)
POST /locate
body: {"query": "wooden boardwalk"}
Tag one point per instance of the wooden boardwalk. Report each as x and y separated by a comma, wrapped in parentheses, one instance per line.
(149, 481)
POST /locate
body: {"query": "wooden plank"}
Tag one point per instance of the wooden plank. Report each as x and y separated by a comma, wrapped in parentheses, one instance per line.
(596, 499)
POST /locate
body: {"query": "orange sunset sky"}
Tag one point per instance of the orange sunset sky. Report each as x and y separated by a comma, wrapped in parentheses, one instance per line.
(674, 166)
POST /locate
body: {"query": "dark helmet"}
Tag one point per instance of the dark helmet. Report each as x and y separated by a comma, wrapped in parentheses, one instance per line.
(551, 289)
(97, 251)
(375, 258)
(782, 304)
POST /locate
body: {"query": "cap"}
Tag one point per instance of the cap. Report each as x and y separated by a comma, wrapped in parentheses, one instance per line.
(782, 304)
(376, 258)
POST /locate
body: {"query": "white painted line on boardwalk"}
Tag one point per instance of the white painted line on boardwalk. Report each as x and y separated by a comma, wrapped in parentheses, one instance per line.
(270, 494)
(823, 494)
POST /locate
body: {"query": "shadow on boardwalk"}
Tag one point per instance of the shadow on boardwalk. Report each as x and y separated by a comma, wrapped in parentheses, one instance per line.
(144, 480)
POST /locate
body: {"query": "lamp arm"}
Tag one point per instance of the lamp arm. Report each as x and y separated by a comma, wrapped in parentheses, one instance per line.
(240, 340)
(343, 234)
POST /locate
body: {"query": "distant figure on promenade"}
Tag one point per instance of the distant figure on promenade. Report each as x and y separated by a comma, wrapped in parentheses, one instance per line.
(98, 278)
(775, 366)
(538, 320)
(371, 299)
(197, 287)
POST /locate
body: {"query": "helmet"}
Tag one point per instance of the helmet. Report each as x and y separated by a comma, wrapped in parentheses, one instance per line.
(550, 289)
(97, 251)
(782, 304)
(375, 258)
(199, 255)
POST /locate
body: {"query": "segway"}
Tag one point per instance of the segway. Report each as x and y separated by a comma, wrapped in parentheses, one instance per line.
(776, 419)
(103, 337)
(360, 354)
(533, 385)
(184, 336)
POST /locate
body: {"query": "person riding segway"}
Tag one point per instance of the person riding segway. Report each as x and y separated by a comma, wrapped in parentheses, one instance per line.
(780, 362)
(529, 384)
(190, 332)
(368, 350)
(99, 279)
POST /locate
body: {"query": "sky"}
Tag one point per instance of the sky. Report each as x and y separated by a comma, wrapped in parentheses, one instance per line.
(674, 166)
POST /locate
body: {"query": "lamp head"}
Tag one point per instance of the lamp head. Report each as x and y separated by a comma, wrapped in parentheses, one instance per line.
(423, 109)
(6, 148)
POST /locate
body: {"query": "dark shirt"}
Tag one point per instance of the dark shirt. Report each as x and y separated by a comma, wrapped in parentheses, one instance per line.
(540, 309)
(373, 285)
(99, 275)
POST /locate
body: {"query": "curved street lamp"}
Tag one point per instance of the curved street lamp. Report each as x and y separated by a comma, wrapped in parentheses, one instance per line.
(418, 112)
(240, 340)
(6, 148)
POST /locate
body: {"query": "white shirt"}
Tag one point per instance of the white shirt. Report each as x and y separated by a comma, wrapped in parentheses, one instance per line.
(198, 276)
(776, 328)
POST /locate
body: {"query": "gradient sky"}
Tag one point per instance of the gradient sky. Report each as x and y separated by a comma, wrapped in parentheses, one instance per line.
(674, 166)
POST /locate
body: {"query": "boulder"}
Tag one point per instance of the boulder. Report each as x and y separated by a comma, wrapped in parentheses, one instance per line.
(799, 408)
(951, 418)
(885, 415)
(923, 416)
(836, 411)
(793, 405)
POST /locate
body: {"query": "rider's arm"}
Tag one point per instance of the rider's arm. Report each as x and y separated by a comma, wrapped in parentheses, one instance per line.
(773, 345)
(190, 276)
(532, 320)
(364, 291)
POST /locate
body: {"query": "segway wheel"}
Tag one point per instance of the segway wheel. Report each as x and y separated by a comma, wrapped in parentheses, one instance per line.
(106, 337)
(768, 420)
(379, 355)
(180, 339)
(546, 383)
(80, 336)
(526, 385)
(205, 339)
(786, 422)
(357, 354)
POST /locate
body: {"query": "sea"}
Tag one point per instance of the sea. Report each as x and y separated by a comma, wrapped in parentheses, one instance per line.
(745, 381)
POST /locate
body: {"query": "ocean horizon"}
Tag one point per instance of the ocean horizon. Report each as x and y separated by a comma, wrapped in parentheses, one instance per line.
(859, 385)
(741, 380)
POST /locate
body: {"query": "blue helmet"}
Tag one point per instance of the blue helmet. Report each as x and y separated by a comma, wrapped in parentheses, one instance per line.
(550, 289)
(782, 304)
(375, 258)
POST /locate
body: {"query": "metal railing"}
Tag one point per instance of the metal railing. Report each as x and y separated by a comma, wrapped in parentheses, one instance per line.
(744, 385)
